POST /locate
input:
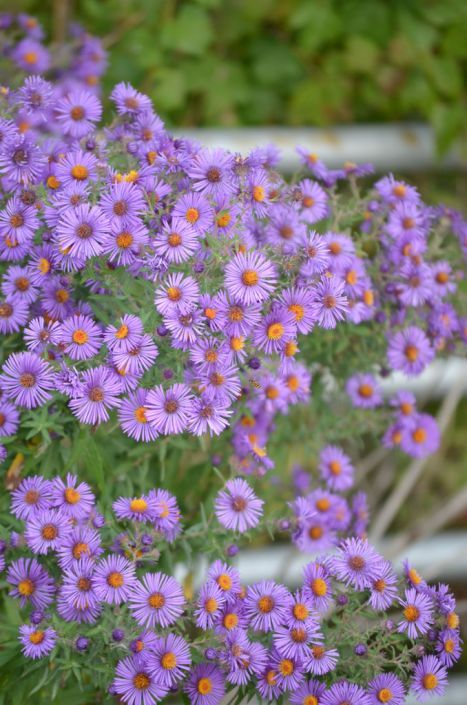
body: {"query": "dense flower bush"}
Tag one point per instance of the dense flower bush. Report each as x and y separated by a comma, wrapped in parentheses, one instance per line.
(352, 632)
(162, 304)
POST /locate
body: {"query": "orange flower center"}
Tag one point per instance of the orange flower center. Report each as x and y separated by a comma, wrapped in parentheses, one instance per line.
(250, 277)
(115, 579)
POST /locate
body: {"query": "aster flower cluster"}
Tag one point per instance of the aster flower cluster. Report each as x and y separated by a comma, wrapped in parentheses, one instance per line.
(79, 64)
(172, 286)
(353, 631)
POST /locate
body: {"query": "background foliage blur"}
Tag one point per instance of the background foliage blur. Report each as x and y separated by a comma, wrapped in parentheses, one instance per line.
(292, 62)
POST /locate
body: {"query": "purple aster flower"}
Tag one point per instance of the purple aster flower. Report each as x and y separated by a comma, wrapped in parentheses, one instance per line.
(30, 583)
(99, 392)
(21, 160)
(31, 56)
(316, 252)
(123, 204)
(177, 241)
(115, 580)
(298, 303)
(293, 641)
(356, 563)
(383, 589)
(274, 329)
(36, 96)
(250, 277)
(364, 391)
(9, 418)
(284, 228)
(81, 337)
(39, 334)
(308, 694)
(168, 410)
(17, 285)
(177, 293)
(210, 603)
(209, 415)
(124, 243)
(133, 418)
(420, 435)
(317, 585)
(258, 185)
(386, 688)
(244, 658)
(330, 303)
(141, 508)
(226, 578)
(320, 660)
(205, 685)
(231, 617)
(416, 287)
(13, 315)
(443, 278)
(185, 328)
(405, 402)
(237, 507)
(211, 171)
(266, 605)
(137, 359)
(448, 647)
(76, 167)
(81, 542)
(136, 683)
(313, 201)
(335, 468)
(27, 379)
(77, 590)
(169, 659)
(429, 679)
(417, 613)
(396, 191)
(406, 219)
(36, 642)
(196, 210)
(77, 112)
(156, 600)
(81, 230)
(167, 514)
(125, 335)
(72, 497)
(33, 495)
(18, 221)
(46, 530)
(129, 101)
(344, 692)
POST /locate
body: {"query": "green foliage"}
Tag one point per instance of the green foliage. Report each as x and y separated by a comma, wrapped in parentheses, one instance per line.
(295, 62)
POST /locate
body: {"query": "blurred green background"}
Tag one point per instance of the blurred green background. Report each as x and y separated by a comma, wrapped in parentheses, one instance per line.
(282, 62)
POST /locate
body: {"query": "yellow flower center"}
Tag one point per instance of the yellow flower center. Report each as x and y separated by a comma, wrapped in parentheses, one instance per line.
(266, 604)
(80, 337)
(72, 496)
(140, 414)
(156, 600)
(259, 194)
(79, 172)
(204, 686)
(115, 579)
(250, 277)
(319, 587)
(141, 681)
(384, 695)
(169, 661)
(430, 681)
(224, 581)
(124, 240)
(138, 505)
(411, 613)
(192, 215)
(37, 637)
(26, 587)
(300, 611)
(210, 605)
(275, 331)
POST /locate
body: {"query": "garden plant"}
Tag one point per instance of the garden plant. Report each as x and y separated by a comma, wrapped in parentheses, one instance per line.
(168, 314)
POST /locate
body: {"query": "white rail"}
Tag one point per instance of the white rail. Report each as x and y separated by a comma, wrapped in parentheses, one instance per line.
(398, 147)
